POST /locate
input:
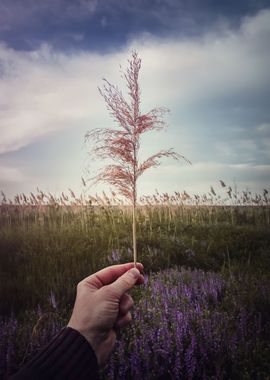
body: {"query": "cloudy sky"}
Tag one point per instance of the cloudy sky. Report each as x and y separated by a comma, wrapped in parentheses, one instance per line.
(207, 61)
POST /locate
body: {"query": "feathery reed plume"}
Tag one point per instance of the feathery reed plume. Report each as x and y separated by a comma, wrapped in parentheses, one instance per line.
(222, 183)
(122, 144)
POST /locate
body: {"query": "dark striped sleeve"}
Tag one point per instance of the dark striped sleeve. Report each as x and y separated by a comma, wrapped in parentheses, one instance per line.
(68, 357)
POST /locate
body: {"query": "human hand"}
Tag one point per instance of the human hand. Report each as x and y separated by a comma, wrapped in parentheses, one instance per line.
(102, 305)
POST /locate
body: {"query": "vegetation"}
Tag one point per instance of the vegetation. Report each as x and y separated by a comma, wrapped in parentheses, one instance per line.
(122, 144)
(206, 259)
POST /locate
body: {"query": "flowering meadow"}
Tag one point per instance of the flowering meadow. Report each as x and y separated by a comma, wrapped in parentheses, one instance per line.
(192, 325)
(186, 325)
(203, 312)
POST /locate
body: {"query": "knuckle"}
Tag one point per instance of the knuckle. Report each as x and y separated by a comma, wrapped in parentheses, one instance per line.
(79, 286)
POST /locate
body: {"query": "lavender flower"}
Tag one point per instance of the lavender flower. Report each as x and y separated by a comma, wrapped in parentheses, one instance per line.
(114, 258)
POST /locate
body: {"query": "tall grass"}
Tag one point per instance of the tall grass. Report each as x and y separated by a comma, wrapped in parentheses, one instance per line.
(49, 243)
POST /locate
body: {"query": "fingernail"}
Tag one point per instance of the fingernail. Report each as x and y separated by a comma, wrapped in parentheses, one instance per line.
(135, 273)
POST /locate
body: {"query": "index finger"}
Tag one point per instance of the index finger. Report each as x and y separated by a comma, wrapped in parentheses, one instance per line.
(108, 275)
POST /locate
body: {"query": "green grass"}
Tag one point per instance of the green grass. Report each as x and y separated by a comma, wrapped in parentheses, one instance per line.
(47, 248)
(51, 248)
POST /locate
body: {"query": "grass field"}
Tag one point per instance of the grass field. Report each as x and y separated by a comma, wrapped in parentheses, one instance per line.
(204, 310)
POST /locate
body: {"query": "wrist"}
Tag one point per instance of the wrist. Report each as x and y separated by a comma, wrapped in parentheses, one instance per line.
(89, 337)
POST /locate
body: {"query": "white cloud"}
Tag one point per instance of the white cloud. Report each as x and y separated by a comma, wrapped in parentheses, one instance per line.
(200, 176)
(11, 175)
(264, 129)
(47, 91)
(215, 65)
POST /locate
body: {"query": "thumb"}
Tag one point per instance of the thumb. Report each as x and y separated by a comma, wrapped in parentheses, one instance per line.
(125, 282)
